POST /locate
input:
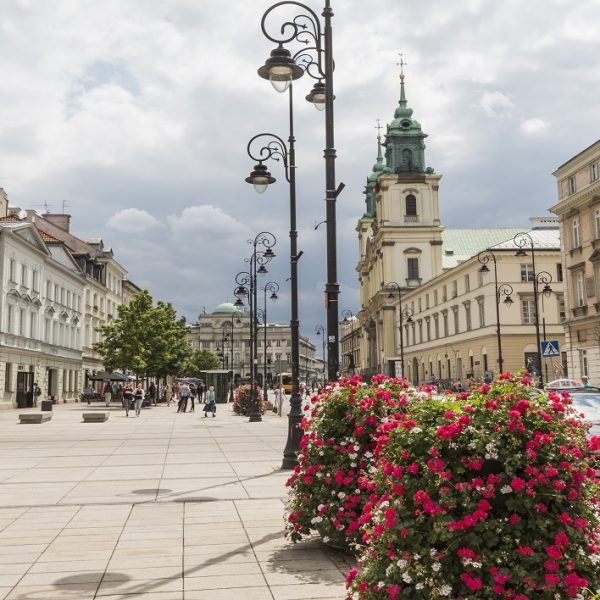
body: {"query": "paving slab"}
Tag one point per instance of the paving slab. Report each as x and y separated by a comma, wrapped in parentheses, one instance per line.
(161, 507)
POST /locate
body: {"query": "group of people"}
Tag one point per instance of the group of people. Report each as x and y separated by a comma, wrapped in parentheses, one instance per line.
(132, 397)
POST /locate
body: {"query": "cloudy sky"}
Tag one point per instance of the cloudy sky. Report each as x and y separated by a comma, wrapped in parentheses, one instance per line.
(133, 116)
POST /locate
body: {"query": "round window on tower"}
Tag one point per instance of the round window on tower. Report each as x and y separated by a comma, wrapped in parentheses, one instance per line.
(405, 124)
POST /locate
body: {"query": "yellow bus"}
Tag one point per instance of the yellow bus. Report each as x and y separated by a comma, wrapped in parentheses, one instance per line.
(285, 381)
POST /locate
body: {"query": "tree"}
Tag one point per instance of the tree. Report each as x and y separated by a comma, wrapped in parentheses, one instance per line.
(147, 339)
(198, 361)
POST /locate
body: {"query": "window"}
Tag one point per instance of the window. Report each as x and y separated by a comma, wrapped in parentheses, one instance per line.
(583, 360)
(579, 289)
(467, 284)
(528, 312)
(444, 294)
(8, 377)
(411, 206)
(35, 281)
(24, 281)
(22, 321)
(571, 184)
(597, 223)
(48, 290)
(527, 273)
(10, 315)
(435, 297)
(11, 270)
(481, 307)
(413, 268)
(454, 289)
(559, 272)
(594, 171)
(575, 233)
(562, 313)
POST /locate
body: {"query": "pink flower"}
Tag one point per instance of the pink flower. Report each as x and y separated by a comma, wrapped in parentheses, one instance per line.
(517, 484)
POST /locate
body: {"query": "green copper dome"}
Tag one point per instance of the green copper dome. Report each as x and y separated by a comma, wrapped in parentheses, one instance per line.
(405, 147)
(226, 308)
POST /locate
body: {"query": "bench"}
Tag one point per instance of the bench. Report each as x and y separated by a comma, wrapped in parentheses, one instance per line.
(35, 417)
(95, 417)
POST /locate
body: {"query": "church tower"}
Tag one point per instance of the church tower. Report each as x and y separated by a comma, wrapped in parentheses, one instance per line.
(400, 233)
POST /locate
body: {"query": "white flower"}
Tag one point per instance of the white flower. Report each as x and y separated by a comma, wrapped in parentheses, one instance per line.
(406, 578)
(320, 507)
(341, 495)
(416, 430)
(476, 565)
(325, 539)
(417, 557)
(445, 590)
(353, 456)
(436, 566)
(368, 454)
(420, 585)
(506, 489)
(353, 465)
(317, 519)
(402, 563)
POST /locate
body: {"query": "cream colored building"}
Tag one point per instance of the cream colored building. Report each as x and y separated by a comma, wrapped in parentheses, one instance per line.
(213, 332)
(448, 308)
(578, 209)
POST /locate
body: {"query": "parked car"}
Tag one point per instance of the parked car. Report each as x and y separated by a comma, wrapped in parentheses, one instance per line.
(588, 403)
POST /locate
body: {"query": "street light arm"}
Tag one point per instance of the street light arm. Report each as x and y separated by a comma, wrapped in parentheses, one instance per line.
(275, 149)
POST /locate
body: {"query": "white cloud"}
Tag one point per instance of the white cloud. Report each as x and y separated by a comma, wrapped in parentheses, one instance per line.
(132, 220)
(205, 220)
(534, 126)
(495, 104)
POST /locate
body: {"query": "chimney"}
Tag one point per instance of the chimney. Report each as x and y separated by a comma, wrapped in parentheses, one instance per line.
(61, 221)
(13, 211)
(3, 203)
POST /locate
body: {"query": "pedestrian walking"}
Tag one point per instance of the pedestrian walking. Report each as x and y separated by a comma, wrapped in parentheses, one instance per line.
(37, 392)
(184, 394)
(211, 402)
(152, 393)
(279, 398)
(168, 394)
(107, 393)
(192, 396)
(139, 399)
(127, 398)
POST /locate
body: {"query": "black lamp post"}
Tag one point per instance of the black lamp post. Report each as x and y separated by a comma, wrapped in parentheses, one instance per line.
(320, 330)
(504, 289)
(276, 149)
(272, 287)
(523, 240)
(405, 313)
(281, 68)
(262, 253)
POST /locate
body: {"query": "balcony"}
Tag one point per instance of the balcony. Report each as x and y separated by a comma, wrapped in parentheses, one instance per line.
(580, 311)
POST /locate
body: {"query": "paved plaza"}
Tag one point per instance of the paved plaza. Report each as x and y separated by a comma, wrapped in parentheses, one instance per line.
(166, 506)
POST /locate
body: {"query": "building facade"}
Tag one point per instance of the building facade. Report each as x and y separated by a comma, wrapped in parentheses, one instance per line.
(578, 208)
(226, 333)
(418, 278)
(41, 307)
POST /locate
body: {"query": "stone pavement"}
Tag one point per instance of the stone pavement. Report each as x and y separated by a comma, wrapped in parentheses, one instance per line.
(166, 506)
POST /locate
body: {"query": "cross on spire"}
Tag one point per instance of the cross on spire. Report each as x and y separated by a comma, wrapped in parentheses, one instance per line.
(379, 128)
(401, 64)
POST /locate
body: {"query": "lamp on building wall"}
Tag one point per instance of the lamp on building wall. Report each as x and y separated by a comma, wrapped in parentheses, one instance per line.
(503, 290)
(281, 68)
(405, 314)
(543, 278)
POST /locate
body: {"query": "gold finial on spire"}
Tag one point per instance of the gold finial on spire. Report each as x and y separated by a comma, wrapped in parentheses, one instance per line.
(401, 64)
(379, 128)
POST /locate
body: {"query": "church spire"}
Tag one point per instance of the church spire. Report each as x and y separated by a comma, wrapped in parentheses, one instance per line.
(405, 147)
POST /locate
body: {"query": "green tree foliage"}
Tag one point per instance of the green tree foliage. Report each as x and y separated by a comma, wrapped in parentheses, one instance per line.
(198, 361)
(146, 339)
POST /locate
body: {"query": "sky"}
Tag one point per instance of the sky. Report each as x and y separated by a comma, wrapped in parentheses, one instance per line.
(133, 116)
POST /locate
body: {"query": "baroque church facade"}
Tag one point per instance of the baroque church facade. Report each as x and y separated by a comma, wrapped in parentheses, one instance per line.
(426, 310)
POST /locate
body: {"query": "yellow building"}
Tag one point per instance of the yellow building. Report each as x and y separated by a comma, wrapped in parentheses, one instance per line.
(578, 209)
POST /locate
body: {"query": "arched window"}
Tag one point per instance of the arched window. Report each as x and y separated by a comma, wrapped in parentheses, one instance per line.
(411, 206)
(407, 160)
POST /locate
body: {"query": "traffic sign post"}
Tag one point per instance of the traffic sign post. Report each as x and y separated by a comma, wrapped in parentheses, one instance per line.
(550, 349)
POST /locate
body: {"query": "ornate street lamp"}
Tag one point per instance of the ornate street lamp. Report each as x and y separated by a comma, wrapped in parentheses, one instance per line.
(274, 148)
(262, 253)
(504, 289)
(405, 314)
(272, 287)
(281, 68)
(524, 240)
(348, 317)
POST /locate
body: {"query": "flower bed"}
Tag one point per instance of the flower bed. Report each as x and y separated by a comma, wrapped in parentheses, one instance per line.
(485, 495)
(329, 487)
(241, 400)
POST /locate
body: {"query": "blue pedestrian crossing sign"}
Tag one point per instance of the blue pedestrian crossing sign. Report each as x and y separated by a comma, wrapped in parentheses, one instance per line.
(550, 349)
